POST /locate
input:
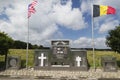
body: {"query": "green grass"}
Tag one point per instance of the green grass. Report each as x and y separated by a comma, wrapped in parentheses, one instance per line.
(2, 58)
(22, 54)
(98, 54)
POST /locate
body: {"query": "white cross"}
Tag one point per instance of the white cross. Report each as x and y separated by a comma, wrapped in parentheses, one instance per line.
(42, 59)
(78, 59)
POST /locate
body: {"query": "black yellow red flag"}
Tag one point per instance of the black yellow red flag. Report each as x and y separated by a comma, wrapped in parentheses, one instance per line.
(99, 10)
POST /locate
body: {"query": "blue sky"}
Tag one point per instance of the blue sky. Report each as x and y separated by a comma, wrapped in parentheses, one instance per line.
(58, 19)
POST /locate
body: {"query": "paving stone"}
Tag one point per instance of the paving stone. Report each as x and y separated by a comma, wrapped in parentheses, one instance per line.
(57, 74)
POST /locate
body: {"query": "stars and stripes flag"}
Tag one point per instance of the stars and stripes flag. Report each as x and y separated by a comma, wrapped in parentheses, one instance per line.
(31, 8)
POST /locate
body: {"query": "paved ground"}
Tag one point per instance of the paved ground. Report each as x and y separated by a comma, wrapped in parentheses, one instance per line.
(109, 79)
(48, 78)
(31, 74)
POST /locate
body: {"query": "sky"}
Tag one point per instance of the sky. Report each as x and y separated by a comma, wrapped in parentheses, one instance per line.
(58, 19)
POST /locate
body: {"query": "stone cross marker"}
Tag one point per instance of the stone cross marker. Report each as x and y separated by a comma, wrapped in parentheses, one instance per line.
(78, 59)
(42, 59)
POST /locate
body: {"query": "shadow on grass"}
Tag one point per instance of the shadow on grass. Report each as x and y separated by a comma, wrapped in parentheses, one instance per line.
(88, 65)
(23, 64)
(2, 65)
(118, 63)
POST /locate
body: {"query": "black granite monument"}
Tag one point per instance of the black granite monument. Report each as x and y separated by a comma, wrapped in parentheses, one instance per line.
(13, 62)
(60, 57)
(109, 63)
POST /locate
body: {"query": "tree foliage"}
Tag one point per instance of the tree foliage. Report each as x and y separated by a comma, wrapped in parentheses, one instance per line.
(6, 42)
(113, 39)
(22, 45)
(19, 45)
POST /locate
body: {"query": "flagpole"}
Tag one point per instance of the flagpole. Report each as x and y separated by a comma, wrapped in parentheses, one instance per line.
(93, 45)
(31, 10)
(27, 45)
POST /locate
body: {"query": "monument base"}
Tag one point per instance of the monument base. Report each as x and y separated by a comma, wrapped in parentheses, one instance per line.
(61, 68)
(60, 65)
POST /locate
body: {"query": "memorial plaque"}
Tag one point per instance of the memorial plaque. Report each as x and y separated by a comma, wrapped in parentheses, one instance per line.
(41, 58)
(80, 59)
(60, 53)
(109, 63)
(60, 57)
(13, 62)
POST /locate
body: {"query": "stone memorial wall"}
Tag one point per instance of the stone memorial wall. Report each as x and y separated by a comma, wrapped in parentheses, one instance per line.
(60, 56)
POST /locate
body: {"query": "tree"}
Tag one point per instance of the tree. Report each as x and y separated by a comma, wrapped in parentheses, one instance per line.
(22, 45)
(19, 44)
(113, 39)
(6, 42)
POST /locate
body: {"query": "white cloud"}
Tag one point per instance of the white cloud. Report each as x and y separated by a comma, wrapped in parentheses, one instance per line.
(106, 26)
(86, 6)
(16, 26)
(108, 22)
(3, 4)
(100, 43)
(84, 42)
(42, 24)
(69, 18)
(112, 3)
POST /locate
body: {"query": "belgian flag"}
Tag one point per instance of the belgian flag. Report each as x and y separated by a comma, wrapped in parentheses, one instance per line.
(99, 10)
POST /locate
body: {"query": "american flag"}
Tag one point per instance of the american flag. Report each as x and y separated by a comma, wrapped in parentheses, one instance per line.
(31, 8)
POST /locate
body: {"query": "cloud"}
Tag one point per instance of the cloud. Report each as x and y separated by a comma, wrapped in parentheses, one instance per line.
(16, 25)
(108, 25)
(84, 42)
(112, 3)
(68, 17)
(86, 6)
(43, 25)
(105, 23)
(3, 4)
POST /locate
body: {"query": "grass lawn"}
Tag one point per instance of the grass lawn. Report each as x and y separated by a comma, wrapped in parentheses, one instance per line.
(22, 54)
(98, 54)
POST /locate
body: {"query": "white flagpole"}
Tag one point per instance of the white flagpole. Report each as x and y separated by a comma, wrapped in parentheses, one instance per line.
(27, 45)
(93, 45)
(29, 14)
